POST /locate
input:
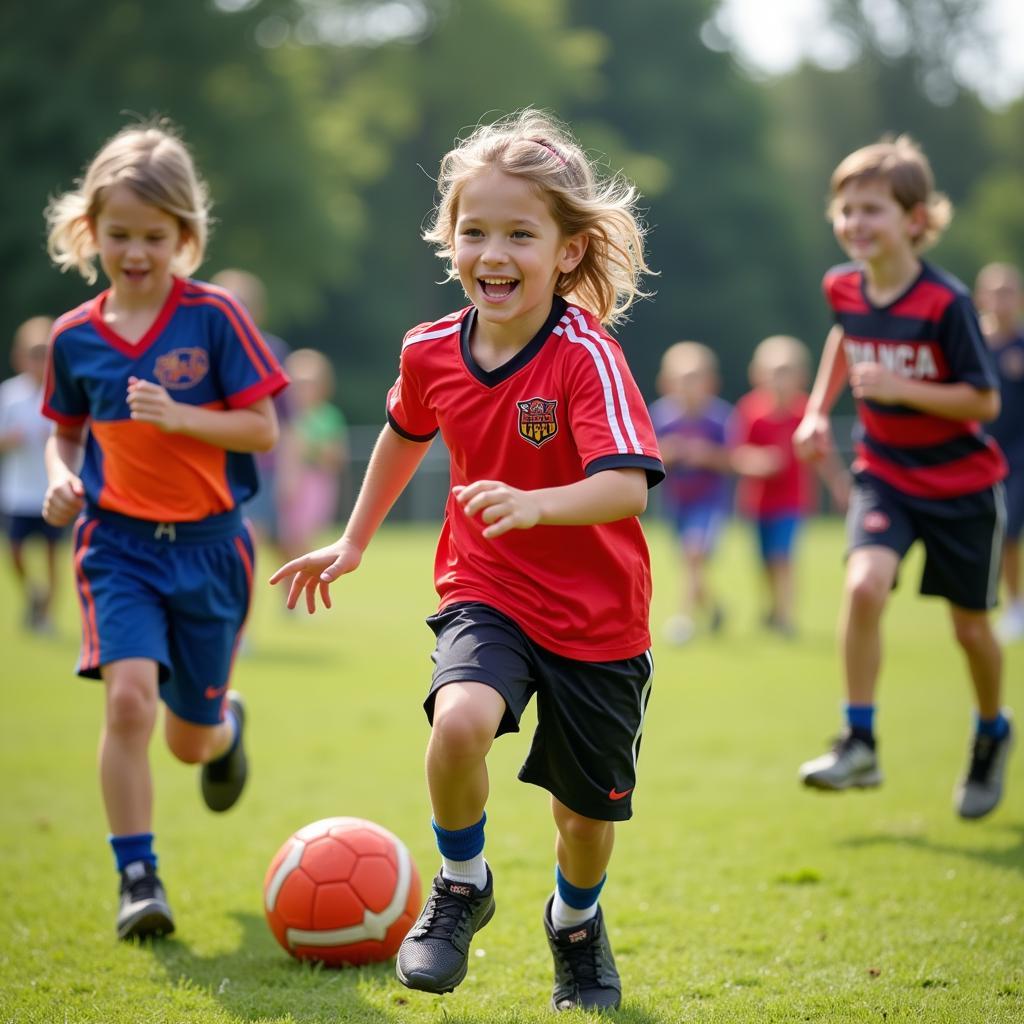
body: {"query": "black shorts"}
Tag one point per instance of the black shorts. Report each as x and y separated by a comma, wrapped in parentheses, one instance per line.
(590, 715)
(19, 528)
(962, 536)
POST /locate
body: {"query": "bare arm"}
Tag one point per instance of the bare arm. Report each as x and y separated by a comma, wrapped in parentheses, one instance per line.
(252, 429)
(605, 497)
(956, 401)
(813, 437)
(65, 495)
(392, 465)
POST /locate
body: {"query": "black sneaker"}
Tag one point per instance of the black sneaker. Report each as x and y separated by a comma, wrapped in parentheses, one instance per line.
(223, 780)
(585, 974)
(981, 789)
(144, 909)
(434, 955)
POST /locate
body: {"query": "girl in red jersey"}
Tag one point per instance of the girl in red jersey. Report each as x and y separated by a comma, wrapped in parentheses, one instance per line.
(907, 340)
(541, 567)
(160, 388)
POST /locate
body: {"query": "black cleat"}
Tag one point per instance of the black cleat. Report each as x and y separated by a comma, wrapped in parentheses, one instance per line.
(434, 955)
(981, 788)
(223, 780)
(144, 909)
(585, 974)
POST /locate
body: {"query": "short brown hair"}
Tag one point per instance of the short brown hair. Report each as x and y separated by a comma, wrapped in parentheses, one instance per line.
(901, 162)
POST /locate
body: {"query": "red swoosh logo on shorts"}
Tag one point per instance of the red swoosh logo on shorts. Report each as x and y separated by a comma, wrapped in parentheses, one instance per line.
(213, 692)
(613, 794)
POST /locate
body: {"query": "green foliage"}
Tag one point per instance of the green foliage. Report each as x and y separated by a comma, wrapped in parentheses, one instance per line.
(733, 896)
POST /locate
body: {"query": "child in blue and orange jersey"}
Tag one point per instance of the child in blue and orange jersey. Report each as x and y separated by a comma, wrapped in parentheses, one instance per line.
(161, 388)
(775, 490)
(552, 453)
(999, 294)
(692, 425)
(908, 342)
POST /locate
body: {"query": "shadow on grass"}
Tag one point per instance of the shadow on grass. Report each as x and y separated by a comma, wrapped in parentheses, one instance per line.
(1009, 857)
(257, 981)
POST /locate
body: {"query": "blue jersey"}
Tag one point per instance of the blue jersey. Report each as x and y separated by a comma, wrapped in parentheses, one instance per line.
(1008, 429)
(685, 485)
(205, 350)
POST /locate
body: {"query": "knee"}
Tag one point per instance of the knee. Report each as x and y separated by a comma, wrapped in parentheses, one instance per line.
(131, 708)
(580, 831)
(973, 632)
(867, 592)
(191, 744)
(461, 734)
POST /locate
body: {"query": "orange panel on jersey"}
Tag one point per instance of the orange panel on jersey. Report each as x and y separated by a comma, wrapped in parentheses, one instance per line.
(164, 477)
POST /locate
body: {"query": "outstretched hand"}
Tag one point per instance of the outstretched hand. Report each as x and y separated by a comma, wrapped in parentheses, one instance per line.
(316, 571)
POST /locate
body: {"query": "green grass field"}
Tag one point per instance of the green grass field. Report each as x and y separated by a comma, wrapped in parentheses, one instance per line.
(733, 894)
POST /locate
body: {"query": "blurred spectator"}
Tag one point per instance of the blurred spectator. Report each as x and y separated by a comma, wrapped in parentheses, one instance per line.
(23, 434)
(999, 294)
(691, 423)
(315, 463)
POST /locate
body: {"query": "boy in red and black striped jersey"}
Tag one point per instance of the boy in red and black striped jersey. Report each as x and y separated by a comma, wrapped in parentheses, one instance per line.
(908, 341)
(541, 568)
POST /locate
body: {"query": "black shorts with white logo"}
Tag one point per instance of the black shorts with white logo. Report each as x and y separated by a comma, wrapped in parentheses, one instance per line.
(962, 536)
(590, 715)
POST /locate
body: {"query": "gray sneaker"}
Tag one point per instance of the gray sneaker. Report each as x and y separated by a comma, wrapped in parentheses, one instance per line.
(850, 763)
(978, 793)
(144, 911)
(585, 972)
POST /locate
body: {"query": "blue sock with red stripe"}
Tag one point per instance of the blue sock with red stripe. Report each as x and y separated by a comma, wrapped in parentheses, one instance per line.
(130, 848)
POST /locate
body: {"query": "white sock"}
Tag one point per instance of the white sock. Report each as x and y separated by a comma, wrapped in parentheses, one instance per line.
(564, 916)
(472, 871)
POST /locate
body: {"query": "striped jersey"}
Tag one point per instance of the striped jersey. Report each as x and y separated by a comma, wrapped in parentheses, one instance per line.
(205, 350)
(1008, 428)
(928, 333)
(563, 408)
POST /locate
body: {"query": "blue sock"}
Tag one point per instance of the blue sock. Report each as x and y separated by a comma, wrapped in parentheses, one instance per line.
(996, 727)
(861, 718)
(128, 849)
(460, 843)
(573, 895)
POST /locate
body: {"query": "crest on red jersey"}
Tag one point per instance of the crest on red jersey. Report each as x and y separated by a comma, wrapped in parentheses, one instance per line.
(182, 368)
(537, 422)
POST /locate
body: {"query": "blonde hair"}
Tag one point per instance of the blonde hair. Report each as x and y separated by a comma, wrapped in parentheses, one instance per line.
(779, 351)
(686, 357)
(312, 366)
(156, 165)
(533, 146)
(901, 163)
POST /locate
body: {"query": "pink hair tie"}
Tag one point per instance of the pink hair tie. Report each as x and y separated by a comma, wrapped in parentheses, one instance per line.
(551, 149)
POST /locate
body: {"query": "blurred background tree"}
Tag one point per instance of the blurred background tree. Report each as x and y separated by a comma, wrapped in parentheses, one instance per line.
(320, 123)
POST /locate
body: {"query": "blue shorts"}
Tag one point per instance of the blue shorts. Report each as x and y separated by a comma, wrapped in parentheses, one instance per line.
(699, 526)
(777, 537)
(177, 594)
(20, 528)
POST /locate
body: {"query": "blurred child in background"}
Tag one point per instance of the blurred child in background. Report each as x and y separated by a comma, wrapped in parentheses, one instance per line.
(263, 509)
(691, 423)
(23, 433)
(314, 466)
(775, 490)
(160, 388)
(999, 296)
(907, 340)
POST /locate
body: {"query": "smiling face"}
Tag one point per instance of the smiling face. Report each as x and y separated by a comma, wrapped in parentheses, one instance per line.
(137, 244)
(871, 226)
(510, 253)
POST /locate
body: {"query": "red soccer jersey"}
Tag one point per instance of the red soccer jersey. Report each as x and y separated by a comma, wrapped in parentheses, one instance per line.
(563, 408)
(757, 422)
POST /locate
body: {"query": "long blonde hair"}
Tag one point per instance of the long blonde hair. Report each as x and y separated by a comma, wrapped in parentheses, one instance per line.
(155, 164)
(532, 145)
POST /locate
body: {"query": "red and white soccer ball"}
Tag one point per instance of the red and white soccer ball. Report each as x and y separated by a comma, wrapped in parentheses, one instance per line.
(342, 891)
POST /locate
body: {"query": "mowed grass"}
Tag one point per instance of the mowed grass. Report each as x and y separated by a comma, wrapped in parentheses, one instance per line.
(733, 895)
